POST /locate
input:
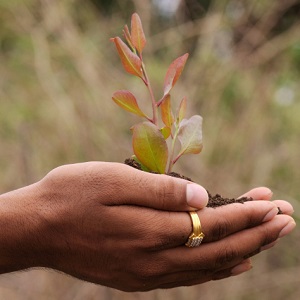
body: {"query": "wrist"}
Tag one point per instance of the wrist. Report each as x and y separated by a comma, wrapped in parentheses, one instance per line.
(20, 227)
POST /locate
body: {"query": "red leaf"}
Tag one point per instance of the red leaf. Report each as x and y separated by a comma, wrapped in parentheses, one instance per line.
(127, 101)
(131, 62)
(137, 33)
(174, 72)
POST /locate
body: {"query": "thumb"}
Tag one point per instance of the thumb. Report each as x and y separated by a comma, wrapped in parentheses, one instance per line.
(161, 191)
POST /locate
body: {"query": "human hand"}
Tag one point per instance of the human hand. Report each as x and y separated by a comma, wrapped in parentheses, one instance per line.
(111, 224)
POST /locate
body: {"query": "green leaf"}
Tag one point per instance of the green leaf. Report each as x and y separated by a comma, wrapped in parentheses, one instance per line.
(127, 101)
(142, 166)
(150, 147)
(174, 72)
(181, 110)
(166, 113)
(131, 62)
(190, 136)
(137, 33)
(166, 132)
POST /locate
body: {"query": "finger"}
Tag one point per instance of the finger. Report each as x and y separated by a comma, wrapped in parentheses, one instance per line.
(157, 230)
(234, 270)
(238, 269)
(219, 222)
(189, 278)
(156, 277)
(163, 192)
(263, 193)
(260, 193)
(226, 220)
(285, 207)
(231, 249)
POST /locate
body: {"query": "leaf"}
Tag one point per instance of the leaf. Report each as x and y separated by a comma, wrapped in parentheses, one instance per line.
(166, 113)
(150, 147)
(181, 110)
(174, 72)
(142, 166)
(166, 132)
(127, 101)
(190, 136)
(137, 33)
(131, 62)
(127, 37)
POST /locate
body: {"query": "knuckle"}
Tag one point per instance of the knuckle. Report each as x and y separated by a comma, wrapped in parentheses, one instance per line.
(220, 228)
(149, 231)
(157, 234)
(170, 192)
(227, 255)
(164, 190)
(161, 243)
(266, 235)
(156, 239)
(148, 272)
(253, 253)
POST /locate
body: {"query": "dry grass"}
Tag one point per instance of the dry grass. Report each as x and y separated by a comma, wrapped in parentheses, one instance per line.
(58, 71)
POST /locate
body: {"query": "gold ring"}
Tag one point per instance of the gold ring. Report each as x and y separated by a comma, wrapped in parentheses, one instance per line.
(196, 237)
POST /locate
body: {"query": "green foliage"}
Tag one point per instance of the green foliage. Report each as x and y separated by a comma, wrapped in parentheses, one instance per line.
(149, 138)
(150, 147)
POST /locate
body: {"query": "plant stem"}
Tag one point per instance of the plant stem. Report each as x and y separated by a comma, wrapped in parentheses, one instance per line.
(154, 106)
(172, 150)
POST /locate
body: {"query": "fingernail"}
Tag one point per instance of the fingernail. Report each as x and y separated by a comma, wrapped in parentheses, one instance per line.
(268, 246)
(271, 214)
(241, 268)
(287, 229)
(196, 195)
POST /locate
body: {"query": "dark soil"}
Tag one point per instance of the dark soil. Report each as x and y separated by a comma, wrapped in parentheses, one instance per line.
(213, 201)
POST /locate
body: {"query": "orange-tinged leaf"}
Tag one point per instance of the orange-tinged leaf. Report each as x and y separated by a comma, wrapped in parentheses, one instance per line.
(174, 72)
(137, 33)
(181, 110)
(127, 101)
(150, 147)
(190, 136)
(127, 37)
(131, 62)
(166, 112)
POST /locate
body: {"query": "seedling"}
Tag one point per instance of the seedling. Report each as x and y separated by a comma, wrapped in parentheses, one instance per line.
(154, 140)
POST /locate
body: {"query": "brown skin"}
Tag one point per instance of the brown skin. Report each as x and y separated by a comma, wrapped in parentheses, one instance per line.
(113, 225)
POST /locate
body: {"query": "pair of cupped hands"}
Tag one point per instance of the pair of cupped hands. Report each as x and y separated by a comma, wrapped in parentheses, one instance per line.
(113, 225)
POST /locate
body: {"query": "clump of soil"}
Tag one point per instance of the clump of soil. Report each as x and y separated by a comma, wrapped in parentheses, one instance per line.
(218, 200)
(213, 201)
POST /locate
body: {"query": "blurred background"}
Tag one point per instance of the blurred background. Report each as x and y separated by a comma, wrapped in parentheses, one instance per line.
(58, 71)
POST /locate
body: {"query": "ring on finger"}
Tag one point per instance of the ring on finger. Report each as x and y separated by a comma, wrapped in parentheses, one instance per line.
(196, 237)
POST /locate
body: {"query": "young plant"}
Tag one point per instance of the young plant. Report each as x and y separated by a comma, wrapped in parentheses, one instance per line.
(154, 140)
